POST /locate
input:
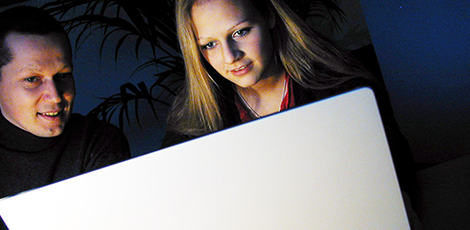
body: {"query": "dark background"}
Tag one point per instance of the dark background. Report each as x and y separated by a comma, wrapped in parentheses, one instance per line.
(422, 47)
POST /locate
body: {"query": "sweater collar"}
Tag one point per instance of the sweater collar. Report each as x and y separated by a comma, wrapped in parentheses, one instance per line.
(17, 139)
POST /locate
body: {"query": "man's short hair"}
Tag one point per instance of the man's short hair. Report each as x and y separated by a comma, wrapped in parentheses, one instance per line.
(25, 20)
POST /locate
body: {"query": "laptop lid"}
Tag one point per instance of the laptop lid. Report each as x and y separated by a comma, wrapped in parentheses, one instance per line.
(325, 165)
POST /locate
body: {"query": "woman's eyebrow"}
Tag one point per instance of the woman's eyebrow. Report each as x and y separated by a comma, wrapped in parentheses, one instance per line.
(229, 29)
(241, 22)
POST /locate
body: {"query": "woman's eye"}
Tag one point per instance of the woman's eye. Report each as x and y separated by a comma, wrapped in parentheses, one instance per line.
(241, 33)
(208, 45)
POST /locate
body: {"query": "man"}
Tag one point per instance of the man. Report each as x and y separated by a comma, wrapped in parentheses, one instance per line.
(41, 141)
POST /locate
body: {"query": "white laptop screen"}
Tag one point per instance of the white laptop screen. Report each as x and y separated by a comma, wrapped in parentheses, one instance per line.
(321, 166)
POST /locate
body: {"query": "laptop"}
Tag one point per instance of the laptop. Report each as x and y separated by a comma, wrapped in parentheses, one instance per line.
(325, 165)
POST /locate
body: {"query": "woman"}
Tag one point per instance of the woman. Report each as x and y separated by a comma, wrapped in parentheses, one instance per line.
(250, 58)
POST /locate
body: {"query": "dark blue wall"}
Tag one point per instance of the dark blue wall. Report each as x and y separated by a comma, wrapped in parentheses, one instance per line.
(423, 47)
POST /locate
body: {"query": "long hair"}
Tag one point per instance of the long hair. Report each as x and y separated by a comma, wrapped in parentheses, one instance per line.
(309, 59)
(195, 110)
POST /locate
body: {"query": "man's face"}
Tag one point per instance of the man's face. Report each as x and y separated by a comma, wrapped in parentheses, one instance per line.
(37, 87)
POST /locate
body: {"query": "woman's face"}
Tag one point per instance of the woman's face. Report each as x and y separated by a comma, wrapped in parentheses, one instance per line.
(234, 38)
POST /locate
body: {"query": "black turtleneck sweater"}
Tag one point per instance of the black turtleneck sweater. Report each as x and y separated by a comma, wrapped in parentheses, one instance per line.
(28, 161)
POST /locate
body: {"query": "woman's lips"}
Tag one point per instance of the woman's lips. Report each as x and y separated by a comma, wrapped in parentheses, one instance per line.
(241, 70)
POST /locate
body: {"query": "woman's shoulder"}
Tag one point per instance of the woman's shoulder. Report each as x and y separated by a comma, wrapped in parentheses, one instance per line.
(305, 95)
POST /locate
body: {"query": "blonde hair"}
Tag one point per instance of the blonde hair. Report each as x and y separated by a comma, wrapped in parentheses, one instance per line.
(309, 59)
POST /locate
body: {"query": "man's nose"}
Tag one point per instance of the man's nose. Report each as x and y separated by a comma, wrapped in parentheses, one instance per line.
(51, 91)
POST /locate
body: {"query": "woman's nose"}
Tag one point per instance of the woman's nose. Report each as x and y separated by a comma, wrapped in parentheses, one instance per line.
(231, 53)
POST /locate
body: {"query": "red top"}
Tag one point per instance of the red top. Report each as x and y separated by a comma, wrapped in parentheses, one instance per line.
(287, 102)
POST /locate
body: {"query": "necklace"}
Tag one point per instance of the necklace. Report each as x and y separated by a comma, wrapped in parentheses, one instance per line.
(252, 111)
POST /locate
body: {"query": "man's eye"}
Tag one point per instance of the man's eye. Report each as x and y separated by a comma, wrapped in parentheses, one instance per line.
(241, 33)
(32, 79)
(63, 76)
(208, 45)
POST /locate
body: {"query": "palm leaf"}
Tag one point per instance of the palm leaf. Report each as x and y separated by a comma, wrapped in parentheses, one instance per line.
(135, 18)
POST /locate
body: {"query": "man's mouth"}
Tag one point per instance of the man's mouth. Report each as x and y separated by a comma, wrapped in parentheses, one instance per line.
(50, 114)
